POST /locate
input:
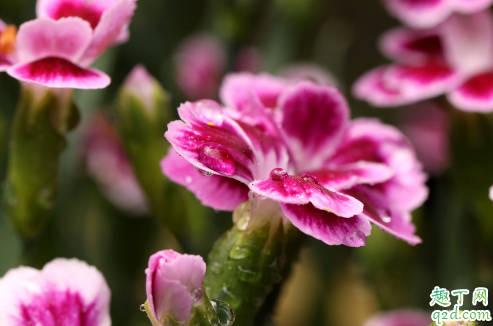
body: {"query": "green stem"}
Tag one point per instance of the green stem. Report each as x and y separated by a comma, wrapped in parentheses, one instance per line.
(251, 258)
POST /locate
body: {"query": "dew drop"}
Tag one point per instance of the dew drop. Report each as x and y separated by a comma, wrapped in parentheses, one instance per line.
(386, 219)
(188, 179)
(198, 294)
(225, 313)
(142, 308)
(216, 157)
(278, 175)
(356, 239)
(310, 178)
(202, 172)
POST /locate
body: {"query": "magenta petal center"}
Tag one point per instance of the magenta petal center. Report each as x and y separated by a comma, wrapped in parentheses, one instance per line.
(62, 308)
(81, 10)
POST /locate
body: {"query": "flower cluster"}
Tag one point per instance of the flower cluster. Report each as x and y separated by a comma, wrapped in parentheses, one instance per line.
(293, 142)
(56, 49)
(450, 54)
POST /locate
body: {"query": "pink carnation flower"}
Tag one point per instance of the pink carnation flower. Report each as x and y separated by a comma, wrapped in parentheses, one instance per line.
(429, 13)
(56, 49)
(66, 292)
(173, 285)
(455, 58)
(293, 142)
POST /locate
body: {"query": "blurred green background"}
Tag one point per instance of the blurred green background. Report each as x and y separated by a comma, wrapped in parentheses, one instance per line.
(331, 285)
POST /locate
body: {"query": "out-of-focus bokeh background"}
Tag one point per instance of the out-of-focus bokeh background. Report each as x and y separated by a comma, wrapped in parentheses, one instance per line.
(330, 285)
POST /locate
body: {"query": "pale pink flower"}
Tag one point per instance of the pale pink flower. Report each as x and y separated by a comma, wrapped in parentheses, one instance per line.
(173, 285)
(56, 49)
(108, 164)
(66, 292)
(200, 64)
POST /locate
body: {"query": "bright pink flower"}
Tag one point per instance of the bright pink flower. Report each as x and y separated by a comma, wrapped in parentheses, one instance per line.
(427, 127)
(200, 63)
(56, 49)
(403, 317)
(107, 163)
(293, 142)
(429, 13)
(173, 285)
(455, 58)
(66, 292)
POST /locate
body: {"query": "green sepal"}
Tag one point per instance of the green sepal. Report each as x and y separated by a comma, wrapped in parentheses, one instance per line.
(36, 142)
(245, 264)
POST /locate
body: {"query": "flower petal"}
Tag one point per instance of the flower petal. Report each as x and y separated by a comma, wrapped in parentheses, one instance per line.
(397, 223)
(471, 6)
(212, 142)
(174, 298)
(420, 14)
(109, 29)
(475, 95)
(468, 41)
(327, 227)
(410, 45)
(371, 87)
(237, 88)
(314, 119)
(90, 11)
(424, 81)
(59, 73)
(215, 191)
(65, 292)
(66, 38)
(350, 175)
(303, 190)
(372, 141)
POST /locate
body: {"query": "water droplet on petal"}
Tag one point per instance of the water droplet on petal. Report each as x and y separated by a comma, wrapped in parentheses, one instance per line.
(278, 175)
(310, 178)
(386, 219)
(224, 311)
(188, 179)
(202, 172)
(198, 294)
(142, 308)
(355, 239)
(217, 158)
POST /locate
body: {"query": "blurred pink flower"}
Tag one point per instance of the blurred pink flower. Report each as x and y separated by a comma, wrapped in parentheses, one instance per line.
(427, 127)
(173, 285)
(403, 317)
(107, 163)
(294, 143)
(66, 292)
(200, 63)
(43, 55)
(429, 13)
(455, 58)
